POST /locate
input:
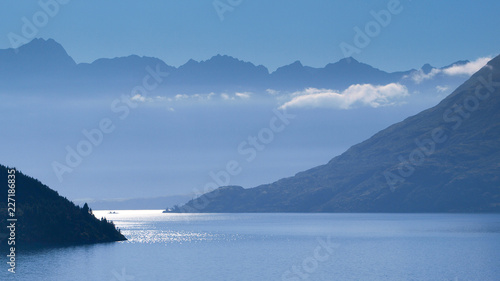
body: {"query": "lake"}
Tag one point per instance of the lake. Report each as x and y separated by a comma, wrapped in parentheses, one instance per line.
(277, 247)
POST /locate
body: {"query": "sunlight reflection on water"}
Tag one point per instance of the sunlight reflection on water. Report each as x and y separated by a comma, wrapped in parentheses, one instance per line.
(136, 226)
(158, 236)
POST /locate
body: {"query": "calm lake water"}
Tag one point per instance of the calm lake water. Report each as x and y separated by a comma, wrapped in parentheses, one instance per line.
(278, 247)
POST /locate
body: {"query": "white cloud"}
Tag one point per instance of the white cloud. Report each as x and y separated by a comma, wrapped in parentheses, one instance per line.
(272, 92)
(419, 75)
(245, 95)
(355, 95)
(138, 97)
(160, 98)
(192, 97)
(441, 89)
(468, 68)
(141, 98)
(200, 97)
(454, 70)
(181, 97)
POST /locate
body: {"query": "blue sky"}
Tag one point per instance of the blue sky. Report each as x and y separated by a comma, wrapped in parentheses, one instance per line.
(272, 32)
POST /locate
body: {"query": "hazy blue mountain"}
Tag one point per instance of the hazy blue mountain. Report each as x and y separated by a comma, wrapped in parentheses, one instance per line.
(55, 107)
(40, 63)
(44, 66)
(427, 68)
(294, 76)
(219, 70)
(45, 217)
(121, 73)
(38, 56)
(140, 203)
(349, 71)
(444, 159)
(122, 68)
(460, 62)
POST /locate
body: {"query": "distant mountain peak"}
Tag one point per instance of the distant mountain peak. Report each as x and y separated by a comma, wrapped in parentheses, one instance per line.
(295, 66)
(223, 59)
(460, 62)
(41, 41)
(348, 60)
(43, 54)
(191, 61)
(130, 58)
(43, 44)
(427, 68)
(219, 56)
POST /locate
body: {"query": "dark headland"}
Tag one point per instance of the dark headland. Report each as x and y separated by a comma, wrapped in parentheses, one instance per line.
(46, 218)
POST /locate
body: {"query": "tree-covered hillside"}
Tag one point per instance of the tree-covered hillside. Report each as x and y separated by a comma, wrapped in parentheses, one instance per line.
(45, 217)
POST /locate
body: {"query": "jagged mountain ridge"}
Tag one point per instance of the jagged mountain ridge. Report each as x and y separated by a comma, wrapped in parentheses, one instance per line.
(45, 65)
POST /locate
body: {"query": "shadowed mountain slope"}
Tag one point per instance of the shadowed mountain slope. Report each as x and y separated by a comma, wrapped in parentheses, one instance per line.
(444, 159)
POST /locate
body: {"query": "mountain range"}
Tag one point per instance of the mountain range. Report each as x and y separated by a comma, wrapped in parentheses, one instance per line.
(444, 159)
(42, 77)
(45, 64)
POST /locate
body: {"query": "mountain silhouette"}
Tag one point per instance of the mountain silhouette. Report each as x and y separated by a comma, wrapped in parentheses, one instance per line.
(45, 217)
(219, 73)
(44, 67)
(36, 56)
(349, 71)
(444, 159)
(40, 63)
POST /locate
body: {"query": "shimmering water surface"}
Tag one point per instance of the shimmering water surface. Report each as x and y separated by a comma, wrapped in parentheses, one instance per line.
(277, 247)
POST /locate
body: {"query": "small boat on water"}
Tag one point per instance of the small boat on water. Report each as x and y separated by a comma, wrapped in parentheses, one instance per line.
(112, 213)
